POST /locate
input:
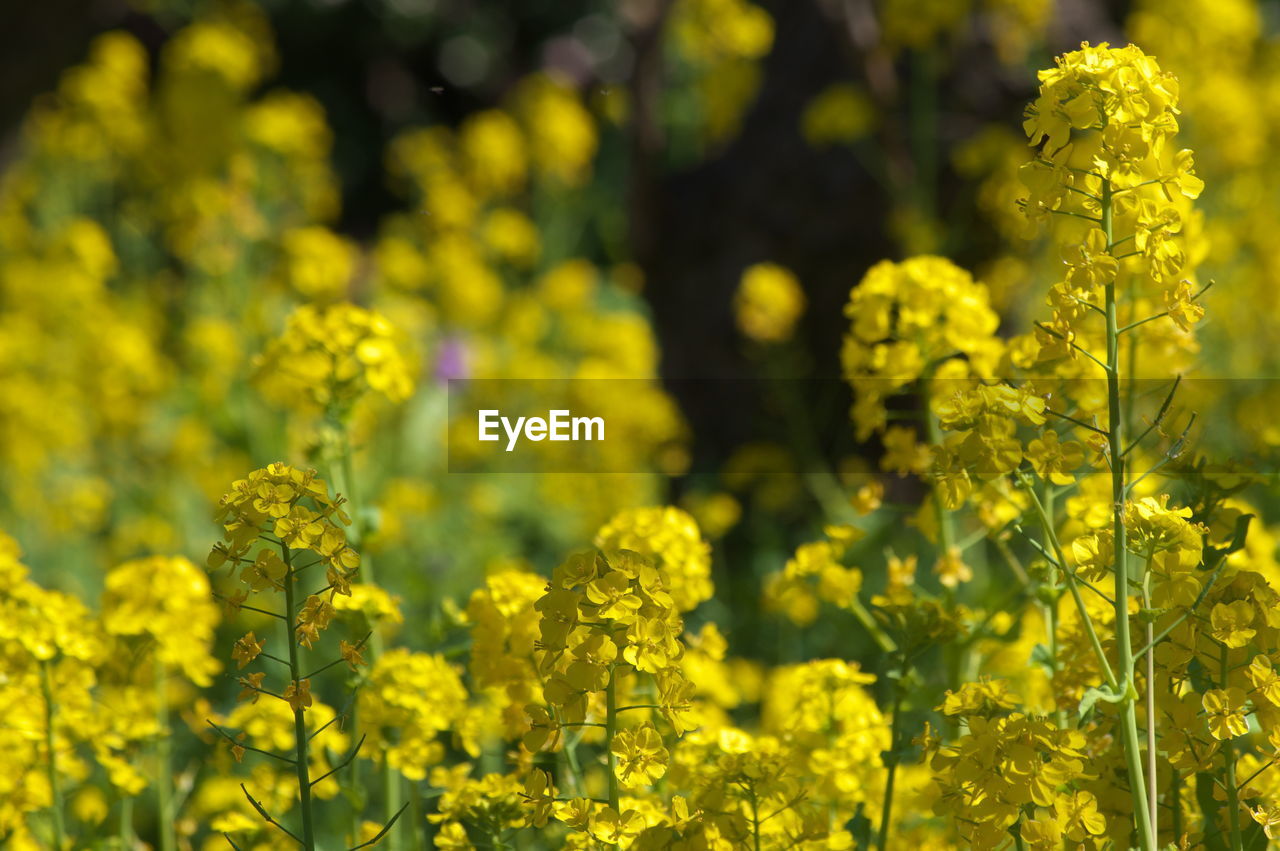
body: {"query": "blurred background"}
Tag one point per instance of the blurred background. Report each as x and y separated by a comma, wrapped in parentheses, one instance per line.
(654, 190)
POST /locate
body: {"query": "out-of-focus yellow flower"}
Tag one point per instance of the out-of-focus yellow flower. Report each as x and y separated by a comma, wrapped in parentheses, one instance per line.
(318, 264)
(168, 600)
(561, 136)
(918, 23)
(493, 152)
(768, 303)
(512, 236)
(329, 357)
(839, 115)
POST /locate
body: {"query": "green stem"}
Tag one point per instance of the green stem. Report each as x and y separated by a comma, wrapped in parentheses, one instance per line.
(345, 483)
(891, 760)
(391, 792)
(1115, 441)
(50, 740)
(1152, 749)
(755, 818)
(164, 756)
(877, 633)
(610, 730)
(1046, 524)
(1229, 755)
(301, 759)
(416, 815)
(1175, 789)
(933, 433)
(1051, 620)
(126, 823)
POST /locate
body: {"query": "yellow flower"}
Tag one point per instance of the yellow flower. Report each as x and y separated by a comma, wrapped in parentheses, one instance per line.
(1226, 714)
(540, 794)
(298, 695)
(951, 569)
(984, 699)
(1078, 815)
(246, 649)
(1054, 460)
(768, 303)
(329, 357)
(612, 593)
(642, 758)
(652, 645)
(612, 828)
(1268, 816)
(840, 114)
(1231, 623)
(1182, 310)
(1091, 264)
(318, 263)
(1265, 679)
(350, 654)
(251, 687)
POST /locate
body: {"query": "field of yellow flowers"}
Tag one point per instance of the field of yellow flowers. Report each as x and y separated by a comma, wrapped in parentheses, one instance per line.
(261, 587)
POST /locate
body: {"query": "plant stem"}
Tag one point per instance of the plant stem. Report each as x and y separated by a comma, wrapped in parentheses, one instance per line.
(611, 729)
(1229, 755)
(164, 756)
(1046, 524)
(346, 484)
(946, 534)
(50, 740)
(755, 818)
(1152, 788)
(1115, 441)
(391, 792)
(1051, 621)
(1176, 790)
(302, 762)
(891, 759)
(126, 823)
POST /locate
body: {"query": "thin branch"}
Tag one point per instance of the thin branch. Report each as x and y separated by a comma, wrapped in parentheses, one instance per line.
(1072, 344)
(1074, 214)
(344, 762)
(232, 740)
(323, 727)
(1173, 452)
(1071, 419)
(223, 598)
(266, 815)
(339, 660)
(1162, 314)
(1255, 774)
(382, 832)
(1039, 547)
(1164, 409)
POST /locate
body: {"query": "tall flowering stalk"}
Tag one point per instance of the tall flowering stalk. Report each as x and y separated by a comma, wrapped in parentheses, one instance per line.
(1106, 171)
(1105, 120)
(273, 519)
(330, 359)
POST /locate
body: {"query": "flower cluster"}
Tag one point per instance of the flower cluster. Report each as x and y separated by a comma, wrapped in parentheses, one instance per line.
(921, 318)
(328, 358)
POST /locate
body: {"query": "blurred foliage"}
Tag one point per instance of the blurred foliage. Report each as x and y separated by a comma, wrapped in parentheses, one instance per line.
(234, 233)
